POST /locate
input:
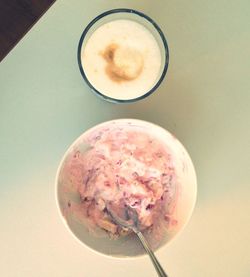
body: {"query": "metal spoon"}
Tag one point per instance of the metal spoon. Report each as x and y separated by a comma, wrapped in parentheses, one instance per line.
(133, 224)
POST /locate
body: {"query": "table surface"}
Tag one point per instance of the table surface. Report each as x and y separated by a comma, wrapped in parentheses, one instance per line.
(204, 101)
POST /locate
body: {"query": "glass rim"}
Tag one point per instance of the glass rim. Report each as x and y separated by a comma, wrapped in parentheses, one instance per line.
(166, 55)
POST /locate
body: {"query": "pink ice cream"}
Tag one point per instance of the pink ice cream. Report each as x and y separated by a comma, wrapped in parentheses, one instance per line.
(125, 168)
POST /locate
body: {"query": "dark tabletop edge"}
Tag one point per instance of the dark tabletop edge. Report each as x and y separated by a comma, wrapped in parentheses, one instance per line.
(11, 47)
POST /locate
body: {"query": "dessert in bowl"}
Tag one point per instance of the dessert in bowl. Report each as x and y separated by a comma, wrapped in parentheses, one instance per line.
(119, 164)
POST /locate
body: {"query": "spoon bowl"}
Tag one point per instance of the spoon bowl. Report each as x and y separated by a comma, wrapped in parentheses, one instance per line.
(132, 223)
(127, 246)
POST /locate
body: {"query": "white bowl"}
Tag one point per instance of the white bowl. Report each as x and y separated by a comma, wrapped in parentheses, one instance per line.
(129, 246)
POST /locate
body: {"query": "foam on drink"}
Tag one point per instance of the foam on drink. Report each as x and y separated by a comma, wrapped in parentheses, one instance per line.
(122, 59)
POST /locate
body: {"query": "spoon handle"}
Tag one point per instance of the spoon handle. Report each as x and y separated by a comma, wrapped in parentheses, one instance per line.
(151, 254)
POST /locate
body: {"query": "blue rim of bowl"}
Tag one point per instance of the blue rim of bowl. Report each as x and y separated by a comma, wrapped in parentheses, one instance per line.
(164, 41)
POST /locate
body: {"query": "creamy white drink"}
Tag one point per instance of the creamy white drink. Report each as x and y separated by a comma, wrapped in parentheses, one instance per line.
(122, 59)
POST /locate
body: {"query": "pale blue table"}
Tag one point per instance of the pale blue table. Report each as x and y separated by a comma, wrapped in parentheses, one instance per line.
(204, 101)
